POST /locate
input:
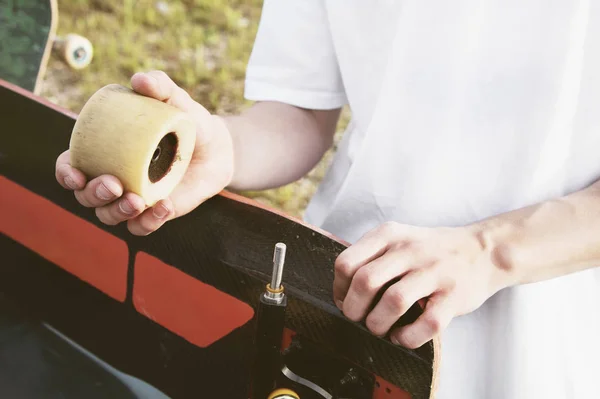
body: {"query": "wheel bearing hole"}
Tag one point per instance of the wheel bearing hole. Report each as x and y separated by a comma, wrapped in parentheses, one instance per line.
(163, 157)
(79, 54)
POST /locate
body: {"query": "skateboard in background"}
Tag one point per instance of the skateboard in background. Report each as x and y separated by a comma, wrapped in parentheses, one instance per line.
(27, 37)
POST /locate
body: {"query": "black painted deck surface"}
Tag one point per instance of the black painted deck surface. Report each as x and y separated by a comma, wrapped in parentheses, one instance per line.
(225, 243)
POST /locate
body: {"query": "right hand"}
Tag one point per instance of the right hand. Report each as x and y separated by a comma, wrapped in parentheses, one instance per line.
(210, 169)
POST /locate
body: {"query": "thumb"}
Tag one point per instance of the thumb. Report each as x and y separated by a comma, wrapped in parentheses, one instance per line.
(158, 85)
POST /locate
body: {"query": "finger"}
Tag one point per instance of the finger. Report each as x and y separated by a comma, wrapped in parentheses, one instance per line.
(436, 317)
(369, 280)
(155, 84)
(187, 197)
(159, 85)
(152, 218)
(399, 298)
(67, 176)
(367, 249)
(100, 192)
(129, 206)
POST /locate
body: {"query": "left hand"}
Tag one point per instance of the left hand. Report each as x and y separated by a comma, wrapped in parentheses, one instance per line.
(210, 169)
(451, 268)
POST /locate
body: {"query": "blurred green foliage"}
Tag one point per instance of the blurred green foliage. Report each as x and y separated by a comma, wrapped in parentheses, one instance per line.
(202, 44)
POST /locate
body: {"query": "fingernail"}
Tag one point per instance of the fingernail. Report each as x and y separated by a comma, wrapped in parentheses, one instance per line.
(103, 192)
(70, 182)
(394, 340)
(125, 207)
(339, 304)
(160, 211)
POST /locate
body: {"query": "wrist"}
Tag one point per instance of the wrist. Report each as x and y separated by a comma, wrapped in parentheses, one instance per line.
(496, 240)
(227, 149)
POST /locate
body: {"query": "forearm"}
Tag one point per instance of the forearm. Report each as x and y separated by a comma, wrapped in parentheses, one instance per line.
(275, 144)
(546, 240)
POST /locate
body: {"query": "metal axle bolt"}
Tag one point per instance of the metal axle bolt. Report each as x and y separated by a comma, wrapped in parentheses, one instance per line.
(275, 289)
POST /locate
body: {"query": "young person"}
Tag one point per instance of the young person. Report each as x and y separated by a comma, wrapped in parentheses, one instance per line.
(469, 169)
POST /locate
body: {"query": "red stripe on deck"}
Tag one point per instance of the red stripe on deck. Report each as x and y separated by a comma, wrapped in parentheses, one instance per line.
(385, 390)
(196, 311)
(74, 244)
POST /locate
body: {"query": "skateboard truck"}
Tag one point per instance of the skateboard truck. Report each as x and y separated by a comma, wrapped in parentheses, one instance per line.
(272, 377)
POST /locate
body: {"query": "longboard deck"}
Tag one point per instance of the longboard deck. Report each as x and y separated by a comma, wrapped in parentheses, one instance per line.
(175, 308)
(28, 29)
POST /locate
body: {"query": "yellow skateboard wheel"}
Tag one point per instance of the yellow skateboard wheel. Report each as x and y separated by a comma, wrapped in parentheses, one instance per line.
(75, 50)
(283, 394)
(144, 142)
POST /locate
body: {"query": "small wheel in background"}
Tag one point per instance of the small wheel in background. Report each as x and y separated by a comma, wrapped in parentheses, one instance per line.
(75, 50)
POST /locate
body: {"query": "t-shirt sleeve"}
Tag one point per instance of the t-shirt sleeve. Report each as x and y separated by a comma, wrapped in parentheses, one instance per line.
(293, 59)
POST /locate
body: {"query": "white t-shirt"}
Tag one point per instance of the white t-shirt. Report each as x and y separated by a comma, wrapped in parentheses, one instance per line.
(460, 110)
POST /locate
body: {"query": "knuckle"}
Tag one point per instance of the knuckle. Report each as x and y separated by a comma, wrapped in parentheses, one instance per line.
(388, 228)
(105, 217)
(374, 326)
(398, 338)
(396, 300)
(134, 226)
(365, 282)
(82, 199)
(343, 266)
(433, 322)
(450, 285)
(414, 247)
(59, 171)
(353, 315)
(411, 344)
(146, 226)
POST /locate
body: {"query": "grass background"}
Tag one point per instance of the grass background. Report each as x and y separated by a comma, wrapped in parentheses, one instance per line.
(203, 45)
